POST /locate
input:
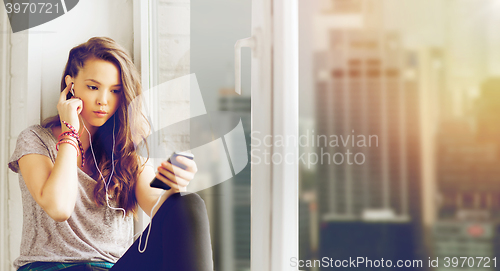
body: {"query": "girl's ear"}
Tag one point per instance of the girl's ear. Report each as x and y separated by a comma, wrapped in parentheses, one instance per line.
(68, 80)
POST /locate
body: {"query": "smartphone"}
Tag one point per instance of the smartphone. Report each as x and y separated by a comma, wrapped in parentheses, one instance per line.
(158, 183)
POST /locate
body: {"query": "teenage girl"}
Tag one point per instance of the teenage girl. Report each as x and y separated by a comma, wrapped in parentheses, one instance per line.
(82, 180)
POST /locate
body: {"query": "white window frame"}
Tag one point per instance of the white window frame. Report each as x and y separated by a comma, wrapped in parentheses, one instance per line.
(275, 110)
(143, 33)
(5, 52)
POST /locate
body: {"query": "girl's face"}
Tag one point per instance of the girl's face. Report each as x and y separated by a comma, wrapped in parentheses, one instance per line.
(98, 85)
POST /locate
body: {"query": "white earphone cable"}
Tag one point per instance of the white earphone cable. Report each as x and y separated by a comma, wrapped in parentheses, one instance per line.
(107, 183)
(150, 223)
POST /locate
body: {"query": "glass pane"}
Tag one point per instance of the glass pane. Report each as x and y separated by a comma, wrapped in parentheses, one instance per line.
(197, 37)
(399, 109)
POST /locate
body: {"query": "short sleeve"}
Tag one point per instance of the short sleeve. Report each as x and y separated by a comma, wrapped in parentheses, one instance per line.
(30, 141)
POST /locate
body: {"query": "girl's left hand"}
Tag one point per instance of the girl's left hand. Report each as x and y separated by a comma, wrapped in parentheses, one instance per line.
(176, 177)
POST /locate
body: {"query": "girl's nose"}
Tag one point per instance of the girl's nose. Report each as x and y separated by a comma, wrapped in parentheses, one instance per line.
(102, 98)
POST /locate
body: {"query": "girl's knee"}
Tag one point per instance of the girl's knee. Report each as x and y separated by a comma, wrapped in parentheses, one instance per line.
(188, 206)
(186, 200)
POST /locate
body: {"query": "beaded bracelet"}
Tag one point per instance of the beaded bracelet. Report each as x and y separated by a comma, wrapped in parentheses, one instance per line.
(70, 127)
(72, 143)
(68, 133)
(70, 138)
(73, 133)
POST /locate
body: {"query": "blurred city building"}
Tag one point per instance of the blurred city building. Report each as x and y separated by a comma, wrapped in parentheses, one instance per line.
(367, 87)
(434, 106)
(468, 178)
(430, 187)
(368, 97)
(232, 197)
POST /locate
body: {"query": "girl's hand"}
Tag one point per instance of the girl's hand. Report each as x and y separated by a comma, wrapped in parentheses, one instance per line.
(176, 177)
(69, 109)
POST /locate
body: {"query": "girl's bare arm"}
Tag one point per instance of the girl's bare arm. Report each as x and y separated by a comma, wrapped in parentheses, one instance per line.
(53, 186)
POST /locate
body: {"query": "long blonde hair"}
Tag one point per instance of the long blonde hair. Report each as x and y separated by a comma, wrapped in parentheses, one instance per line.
(129, 121)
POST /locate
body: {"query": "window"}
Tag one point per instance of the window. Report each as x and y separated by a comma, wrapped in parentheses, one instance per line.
(207, 50)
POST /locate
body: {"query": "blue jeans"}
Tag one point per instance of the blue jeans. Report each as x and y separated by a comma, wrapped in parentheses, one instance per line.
(52, 266)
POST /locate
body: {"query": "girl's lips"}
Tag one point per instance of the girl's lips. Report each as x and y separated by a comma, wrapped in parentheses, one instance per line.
(100, 113)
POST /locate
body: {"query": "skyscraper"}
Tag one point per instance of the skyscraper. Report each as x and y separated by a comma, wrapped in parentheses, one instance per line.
(468, 176)
(365, 95)
(364, 91)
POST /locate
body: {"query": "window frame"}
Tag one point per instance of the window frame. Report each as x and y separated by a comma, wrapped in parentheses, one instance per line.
(142, 47)
(275, 112)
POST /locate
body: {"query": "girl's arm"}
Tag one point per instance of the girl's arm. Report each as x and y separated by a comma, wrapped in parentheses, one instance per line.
(147, 195)
(54, 186)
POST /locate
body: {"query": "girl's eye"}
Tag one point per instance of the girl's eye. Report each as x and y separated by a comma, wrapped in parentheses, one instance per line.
(92, 87)
(116, 91)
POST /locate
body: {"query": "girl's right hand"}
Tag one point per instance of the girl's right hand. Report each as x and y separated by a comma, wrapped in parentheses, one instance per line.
(69, 109)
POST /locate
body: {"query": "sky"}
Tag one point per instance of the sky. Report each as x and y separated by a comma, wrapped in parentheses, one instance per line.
(216, 25)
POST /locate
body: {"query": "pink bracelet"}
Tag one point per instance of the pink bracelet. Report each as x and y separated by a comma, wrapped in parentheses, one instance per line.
(69, 133)
(71, 143)
(72, 139)
(71, 127)
(73, 133)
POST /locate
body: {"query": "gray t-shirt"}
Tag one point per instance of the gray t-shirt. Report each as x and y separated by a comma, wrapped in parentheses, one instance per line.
(92, 233)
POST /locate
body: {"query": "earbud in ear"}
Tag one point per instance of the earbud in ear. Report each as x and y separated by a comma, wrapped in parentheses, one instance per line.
(73, 89)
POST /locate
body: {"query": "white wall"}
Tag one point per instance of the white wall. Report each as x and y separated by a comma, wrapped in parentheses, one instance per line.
(37, 58)
(88, 19)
